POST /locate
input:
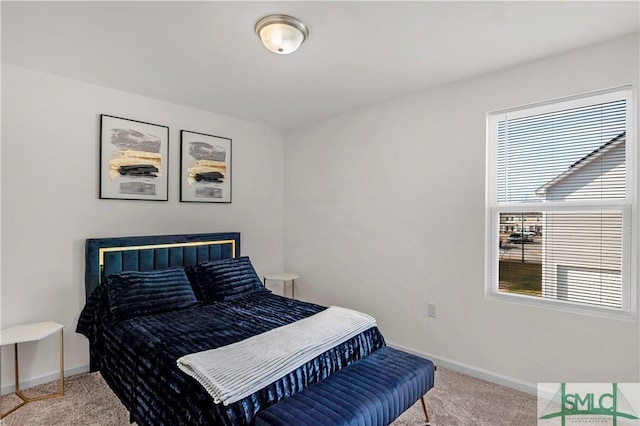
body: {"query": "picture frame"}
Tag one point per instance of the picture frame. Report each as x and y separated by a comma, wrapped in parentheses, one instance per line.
(205, 168)
(134, 161)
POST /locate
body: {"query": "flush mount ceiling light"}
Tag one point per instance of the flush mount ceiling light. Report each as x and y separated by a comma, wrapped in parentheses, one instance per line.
(281, 34)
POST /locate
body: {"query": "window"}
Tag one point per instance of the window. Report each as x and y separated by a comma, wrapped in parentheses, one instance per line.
(561, 191)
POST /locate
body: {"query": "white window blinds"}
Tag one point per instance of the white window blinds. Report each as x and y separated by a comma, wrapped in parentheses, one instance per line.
(559, 202)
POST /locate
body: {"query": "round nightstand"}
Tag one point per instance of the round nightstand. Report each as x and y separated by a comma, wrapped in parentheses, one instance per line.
(284, 277)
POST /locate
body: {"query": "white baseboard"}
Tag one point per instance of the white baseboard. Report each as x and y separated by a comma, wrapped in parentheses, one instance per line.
(43, 379)
(472, 371)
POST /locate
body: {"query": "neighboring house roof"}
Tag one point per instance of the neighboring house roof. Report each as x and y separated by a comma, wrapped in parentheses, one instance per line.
(587, 159)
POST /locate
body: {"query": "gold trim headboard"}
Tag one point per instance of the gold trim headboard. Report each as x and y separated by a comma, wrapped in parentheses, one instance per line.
(104, 250)
(111, 255)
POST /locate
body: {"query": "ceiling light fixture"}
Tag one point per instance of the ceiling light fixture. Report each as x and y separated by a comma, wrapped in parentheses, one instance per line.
(281, 34)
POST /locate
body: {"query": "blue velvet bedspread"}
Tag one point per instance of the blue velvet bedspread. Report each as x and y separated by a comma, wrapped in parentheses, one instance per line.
(137, 357)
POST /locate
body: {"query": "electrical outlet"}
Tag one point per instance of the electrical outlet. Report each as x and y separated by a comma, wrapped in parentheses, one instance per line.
(432, 310)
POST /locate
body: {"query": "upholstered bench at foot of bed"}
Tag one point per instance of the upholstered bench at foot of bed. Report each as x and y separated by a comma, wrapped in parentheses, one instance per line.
(370, 392)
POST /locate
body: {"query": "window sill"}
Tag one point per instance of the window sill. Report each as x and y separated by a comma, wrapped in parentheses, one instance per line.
(560, 306)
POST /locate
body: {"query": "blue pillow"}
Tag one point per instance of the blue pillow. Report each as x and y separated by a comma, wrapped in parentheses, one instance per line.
(133, 294)
(225, 279)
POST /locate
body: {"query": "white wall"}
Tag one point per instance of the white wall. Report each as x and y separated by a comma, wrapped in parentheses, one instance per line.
(385, 212)
(50, 204)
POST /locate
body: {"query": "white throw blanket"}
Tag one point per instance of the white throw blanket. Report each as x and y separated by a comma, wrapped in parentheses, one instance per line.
(232, 372)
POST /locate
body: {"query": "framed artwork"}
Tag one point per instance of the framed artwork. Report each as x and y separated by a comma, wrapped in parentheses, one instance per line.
(205, 168)
(133, 159)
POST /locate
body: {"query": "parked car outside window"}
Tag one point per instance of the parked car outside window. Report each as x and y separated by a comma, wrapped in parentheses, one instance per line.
(521, 237)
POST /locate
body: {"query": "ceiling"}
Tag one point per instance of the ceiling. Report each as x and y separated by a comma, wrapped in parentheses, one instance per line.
(206, 55)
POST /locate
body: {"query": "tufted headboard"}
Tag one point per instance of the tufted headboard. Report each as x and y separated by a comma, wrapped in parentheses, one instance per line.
(104, 256)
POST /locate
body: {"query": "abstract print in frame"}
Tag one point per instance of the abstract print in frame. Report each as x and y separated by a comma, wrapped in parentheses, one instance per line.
(133, 159)
(205, 168)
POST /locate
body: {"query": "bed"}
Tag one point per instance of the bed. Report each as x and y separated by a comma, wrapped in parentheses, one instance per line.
(136, 345)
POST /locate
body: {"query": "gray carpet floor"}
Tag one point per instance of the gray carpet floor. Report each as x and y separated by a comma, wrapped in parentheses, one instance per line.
(456, 399)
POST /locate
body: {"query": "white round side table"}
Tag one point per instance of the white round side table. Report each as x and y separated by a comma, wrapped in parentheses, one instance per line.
(284, 277)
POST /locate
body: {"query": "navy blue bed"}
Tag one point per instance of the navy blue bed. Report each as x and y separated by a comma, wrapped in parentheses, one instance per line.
(137, 356)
